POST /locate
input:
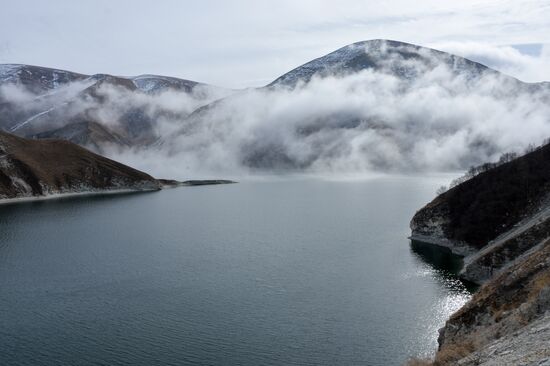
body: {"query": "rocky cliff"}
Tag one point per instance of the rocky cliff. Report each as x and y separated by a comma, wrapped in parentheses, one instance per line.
(500, 222)
(507, 322)
(492, 218)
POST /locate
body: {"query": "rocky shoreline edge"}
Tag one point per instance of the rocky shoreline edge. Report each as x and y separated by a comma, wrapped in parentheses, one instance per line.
(107, 192)
(507, 320)
(498, 221)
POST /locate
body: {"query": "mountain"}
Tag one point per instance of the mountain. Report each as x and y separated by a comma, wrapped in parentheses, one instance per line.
(404, 60)
(30, 168)
(41, 80)
(376, 54)
(499, 220)
(158, 84)
(377, 105)
(35, 79)
(43, 102)
(372, 105)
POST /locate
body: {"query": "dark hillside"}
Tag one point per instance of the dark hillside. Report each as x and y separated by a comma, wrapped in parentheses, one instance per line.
(480, 209)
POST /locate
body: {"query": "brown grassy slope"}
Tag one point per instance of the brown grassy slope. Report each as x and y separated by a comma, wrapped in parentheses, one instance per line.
(51, 166)
(508, 302)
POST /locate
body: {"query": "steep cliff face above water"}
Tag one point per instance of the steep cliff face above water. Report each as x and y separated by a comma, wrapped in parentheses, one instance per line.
(499, 213)
(502, 217)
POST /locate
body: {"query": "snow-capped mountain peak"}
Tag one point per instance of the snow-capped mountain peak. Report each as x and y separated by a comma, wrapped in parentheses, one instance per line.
(398, 58)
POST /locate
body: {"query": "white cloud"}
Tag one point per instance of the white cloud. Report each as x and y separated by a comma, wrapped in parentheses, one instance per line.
(507, 59)
(368, 121)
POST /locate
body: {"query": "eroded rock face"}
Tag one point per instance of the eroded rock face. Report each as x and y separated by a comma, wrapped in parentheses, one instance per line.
(507, 319)
(431, 220)
(37, 168)
(506, 250)
(431, 225)
(503, 216)
(528, 347)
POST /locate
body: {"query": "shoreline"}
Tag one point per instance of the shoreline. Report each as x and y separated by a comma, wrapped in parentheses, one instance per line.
(5, 201)
(456, 248)
(471, 286)
(165, 184)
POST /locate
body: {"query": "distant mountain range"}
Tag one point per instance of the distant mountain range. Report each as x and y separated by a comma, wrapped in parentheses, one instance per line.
(105, 113)
(53, 103)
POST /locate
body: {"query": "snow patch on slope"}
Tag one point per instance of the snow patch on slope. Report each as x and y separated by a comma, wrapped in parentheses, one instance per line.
(27, 121)
(332, 60)
(8, 71)
(156, 83)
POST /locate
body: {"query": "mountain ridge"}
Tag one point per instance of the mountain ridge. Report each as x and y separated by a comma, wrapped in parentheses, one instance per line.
(138, 113)
(353, 56)
(55, 99)
(388, 67)
(9, 71)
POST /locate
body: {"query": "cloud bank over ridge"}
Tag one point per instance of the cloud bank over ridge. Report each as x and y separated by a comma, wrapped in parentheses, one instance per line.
(409, 114)
(371, 106)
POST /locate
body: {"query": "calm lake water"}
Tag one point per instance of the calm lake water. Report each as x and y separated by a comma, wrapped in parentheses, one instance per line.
(288, 272)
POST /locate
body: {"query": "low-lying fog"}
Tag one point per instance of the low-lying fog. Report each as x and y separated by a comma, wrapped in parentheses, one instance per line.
(424, 119)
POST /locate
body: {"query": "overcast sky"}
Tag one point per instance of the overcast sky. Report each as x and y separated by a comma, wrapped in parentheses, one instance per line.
(251, 42)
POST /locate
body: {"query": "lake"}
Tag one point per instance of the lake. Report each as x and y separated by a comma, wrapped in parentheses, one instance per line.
(268, 272)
